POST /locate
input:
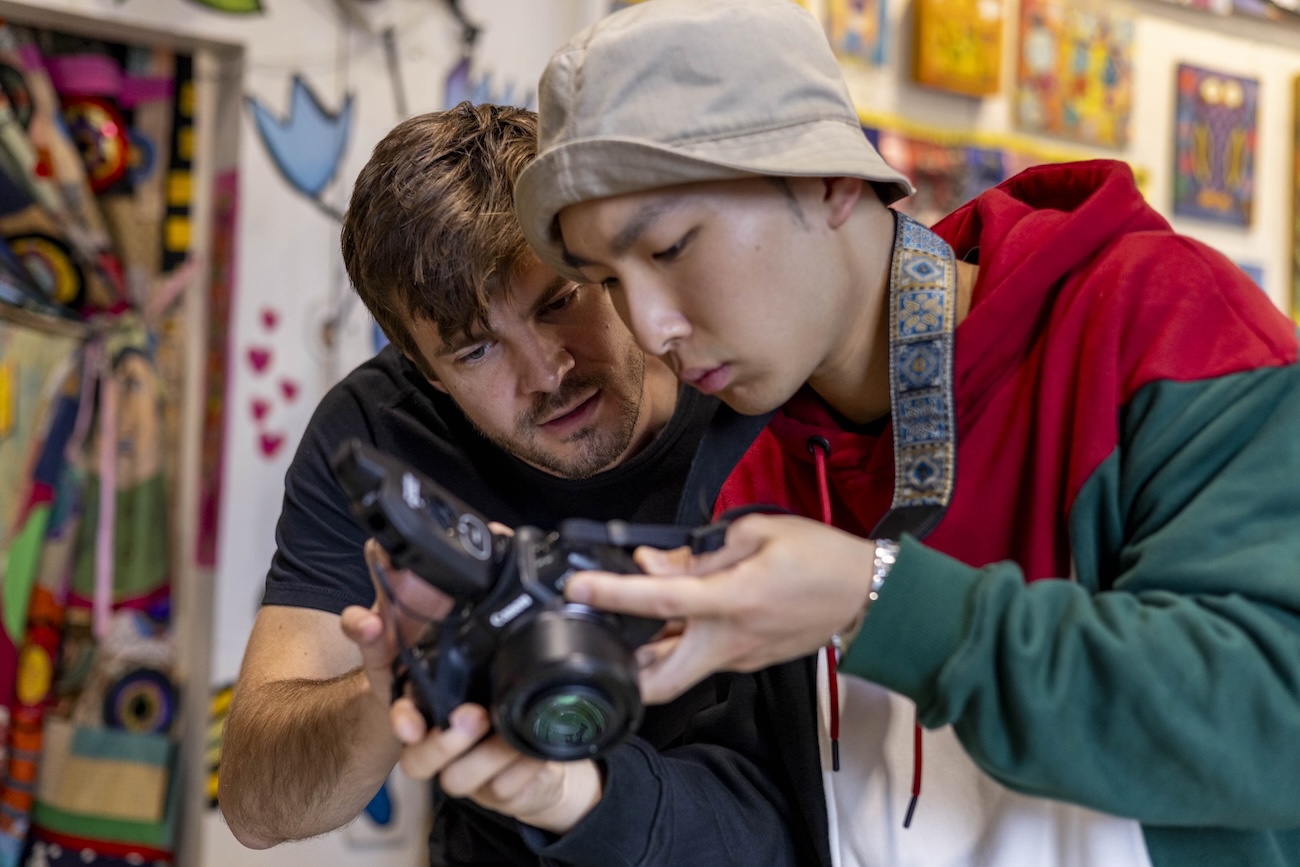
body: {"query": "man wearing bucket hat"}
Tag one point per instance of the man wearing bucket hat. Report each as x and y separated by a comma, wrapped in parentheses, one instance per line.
(1054, 439)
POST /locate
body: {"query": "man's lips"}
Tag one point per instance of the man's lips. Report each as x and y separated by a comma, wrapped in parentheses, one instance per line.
(574, 415)
(707, 379)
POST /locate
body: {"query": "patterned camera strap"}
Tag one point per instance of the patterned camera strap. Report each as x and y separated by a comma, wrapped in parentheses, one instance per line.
(922, 317)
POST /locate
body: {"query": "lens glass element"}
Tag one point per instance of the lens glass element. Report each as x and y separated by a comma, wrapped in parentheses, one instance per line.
(572, 716)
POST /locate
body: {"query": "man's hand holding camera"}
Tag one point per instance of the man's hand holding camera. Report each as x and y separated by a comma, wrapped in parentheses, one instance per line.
(553, 796)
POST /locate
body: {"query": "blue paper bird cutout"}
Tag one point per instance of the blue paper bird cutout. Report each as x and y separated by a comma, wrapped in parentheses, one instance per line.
(307, 146)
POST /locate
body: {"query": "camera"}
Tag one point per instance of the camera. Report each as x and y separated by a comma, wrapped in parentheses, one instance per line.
(559, 679)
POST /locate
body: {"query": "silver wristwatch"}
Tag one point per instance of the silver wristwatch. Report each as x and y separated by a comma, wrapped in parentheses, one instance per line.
(886, 556)
(881, 562)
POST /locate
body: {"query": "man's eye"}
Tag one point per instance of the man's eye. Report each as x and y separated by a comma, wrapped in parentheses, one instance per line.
(609, 284)
(474, 354)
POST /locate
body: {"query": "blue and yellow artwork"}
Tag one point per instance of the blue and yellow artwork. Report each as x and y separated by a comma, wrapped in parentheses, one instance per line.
(1214, 146)
(856, 29)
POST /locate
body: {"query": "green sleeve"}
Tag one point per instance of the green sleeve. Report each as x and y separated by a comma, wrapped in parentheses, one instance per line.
(1163, 683)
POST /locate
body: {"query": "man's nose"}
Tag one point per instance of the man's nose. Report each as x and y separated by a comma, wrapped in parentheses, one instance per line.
(545, 361)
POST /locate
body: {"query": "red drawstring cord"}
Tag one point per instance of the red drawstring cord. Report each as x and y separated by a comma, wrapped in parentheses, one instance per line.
(916, 772)
(821, 450)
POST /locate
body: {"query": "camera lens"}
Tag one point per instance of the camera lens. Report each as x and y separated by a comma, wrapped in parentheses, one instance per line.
(571, 718)
(564, 686)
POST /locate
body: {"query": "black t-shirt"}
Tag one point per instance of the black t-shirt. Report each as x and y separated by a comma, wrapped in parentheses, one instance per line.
(319, 563)
(386, 403)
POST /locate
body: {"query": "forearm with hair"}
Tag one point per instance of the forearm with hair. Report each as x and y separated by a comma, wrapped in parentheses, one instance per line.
(302, 757)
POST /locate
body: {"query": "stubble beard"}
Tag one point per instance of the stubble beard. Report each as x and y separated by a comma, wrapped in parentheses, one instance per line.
(598, 447)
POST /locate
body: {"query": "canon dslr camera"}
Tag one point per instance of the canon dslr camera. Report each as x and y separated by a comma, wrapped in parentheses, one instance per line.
(560, 679)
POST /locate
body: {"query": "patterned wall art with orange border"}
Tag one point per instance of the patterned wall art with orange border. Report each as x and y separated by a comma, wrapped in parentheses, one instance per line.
(1075, 76)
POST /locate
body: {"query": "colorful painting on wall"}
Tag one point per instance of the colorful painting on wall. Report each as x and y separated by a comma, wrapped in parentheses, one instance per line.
(856, 29)
(1214, 145)
(1075, 76)
(1295, 201)
(959, 45)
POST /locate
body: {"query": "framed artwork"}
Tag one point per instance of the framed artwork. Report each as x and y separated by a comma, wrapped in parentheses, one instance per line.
(1214, 145)
(959, 45)
(1295, 201)
(856, 29)
(1075, 75)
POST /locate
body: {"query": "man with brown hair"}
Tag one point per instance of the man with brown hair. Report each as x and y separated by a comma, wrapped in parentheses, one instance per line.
(522, 394)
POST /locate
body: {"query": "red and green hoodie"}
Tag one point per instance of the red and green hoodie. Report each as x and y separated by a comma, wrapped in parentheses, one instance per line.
(1109, 612)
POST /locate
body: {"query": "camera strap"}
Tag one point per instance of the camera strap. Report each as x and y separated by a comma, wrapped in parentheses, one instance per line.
(922, 319)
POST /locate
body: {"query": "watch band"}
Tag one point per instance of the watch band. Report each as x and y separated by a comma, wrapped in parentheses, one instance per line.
(885, 557)
(886, 554)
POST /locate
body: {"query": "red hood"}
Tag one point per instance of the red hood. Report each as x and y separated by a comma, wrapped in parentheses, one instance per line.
(1042, 225)
(1084, 296)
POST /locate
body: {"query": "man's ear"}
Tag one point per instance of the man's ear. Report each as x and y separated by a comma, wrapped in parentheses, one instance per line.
(841, 196)
(427, 378)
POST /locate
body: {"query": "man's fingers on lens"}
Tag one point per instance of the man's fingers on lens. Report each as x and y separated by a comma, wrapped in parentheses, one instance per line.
(525, 784)
(433, 751)
(474, 773)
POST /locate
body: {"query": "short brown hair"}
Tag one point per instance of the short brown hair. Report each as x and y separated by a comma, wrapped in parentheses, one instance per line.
(430, 232)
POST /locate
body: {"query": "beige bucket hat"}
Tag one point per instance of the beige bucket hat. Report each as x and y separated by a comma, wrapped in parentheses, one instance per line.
(676, 91)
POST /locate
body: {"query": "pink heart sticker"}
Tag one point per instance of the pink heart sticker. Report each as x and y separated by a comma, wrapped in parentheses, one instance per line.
(270, 319)
(259, 358)
(289, 388)
(260, 408)
(271, 444)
